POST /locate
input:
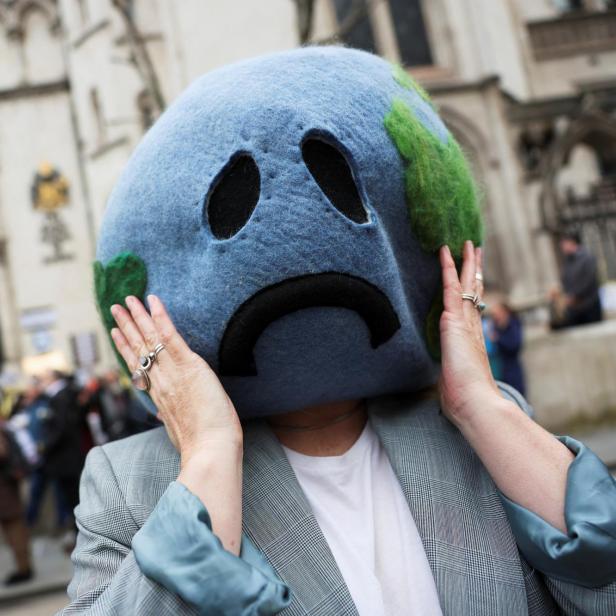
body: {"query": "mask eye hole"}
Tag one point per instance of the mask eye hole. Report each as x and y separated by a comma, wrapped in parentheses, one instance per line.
(233, 196)
(333, 174)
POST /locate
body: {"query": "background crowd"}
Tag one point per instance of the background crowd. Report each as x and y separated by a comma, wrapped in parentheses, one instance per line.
(46, 431)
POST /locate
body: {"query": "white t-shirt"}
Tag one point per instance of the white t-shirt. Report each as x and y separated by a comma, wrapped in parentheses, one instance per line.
(359, 505)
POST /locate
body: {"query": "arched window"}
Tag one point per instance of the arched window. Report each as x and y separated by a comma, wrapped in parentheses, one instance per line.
(586, 193)
(355, 20)
(41, 48)
(581, 173)
(10, 59)
(411, 32)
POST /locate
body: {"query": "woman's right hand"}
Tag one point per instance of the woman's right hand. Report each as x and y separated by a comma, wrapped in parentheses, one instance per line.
(198, 415)
(190, 399)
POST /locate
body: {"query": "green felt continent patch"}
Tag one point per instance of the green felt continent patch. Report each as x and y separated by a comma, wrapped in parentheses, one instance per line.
(124, 275)
(440, 194)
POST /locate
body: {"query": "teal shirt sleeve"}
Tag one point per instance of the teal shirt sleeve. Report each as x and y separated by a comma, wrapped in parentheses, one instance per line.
(586, 555)
(177, 548)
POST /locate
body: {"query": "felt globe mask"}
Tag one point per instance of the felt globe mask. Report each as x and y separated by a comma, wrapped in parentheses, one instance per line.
(289, 210)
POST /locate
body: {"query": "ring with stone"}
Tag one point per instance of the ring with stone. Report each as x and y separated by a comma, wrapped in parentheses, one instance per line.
(140, 377)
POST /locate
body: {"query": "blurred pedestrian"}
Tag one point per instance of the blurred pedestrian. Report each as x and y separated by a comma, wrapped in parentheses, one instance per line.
(89, 404)
(62, 437)
(507, 337)
(487, 325)
(578, 303)
(115, 402)
(111, 412)
(13, 468)
(33, 412)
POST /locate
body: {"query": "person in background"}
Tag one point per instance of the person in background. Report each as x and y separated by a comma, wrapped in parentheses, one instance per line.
(62, 438)
(578, 303)
(110, 411)
(13, 467)
(487, 326)
(506, 336)
(89, 405)
(33, 410)
(115, 404)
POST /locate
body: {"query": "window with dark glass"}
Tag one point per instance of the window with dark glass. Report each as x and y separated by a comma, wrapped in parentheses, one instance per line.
(569, 5)
(354, 13)
(411, 32)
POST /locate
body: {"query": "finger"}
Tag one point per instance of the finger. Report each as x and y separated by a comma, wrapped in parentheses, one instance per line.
(469, 268)
(468, 280)
(168, 335)
(452, 299)
(143, 321)
(479, 287)
(130, 330)
(121, 343)
(479, 259)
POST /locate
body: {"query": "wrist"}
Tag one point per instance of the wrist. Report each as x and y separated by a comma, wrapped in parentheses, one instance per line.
(493, 413)
(214, 449)
(477, 406)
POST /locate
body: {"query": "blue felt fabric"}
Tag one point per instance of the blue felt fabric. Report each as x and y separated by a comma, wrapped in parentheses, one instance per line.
(586, 555)
(266, 107)
(177, 549)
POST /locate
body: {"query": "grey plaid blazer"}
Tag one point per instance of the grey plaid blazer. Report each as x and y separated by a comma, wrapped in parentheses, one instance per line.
(464, 529)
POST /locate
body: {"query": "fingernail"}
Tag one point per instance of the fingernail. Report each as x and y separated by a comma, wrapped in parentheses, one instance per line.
(152, 297)
(114, 331)
(130, 300)
(113, 309)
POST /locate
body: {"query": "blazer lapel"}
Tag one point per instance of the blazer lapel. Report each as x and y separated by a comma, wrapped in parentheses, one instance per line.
(456, 507)
(279, 521)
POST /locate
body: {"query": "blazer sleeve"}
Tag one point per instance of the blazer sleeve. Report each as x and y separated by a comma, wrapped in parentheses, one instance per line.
(108, 578)
(579, 568)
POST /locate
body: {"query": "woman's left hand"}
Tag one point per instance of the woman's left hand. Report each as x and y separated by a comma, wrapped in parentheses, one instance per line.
(466, 379)
(528, 465)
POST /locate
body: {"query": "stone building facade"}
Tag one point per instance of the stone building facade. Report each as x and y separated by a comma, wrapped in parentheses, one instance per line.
(527, 86)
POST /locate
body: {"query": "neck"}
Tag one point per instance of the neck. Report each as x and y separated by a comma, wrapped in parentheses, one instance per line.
(334, 428)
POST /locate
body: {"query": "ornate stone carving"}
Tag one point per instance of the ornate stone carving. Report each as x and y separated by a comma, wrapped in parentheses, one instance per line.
(49, 193)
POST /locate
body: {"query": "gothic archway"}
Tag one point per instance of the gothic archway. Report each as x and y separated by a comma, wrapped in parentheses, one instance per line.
(592, 215)
(22, 8)
(478, 150)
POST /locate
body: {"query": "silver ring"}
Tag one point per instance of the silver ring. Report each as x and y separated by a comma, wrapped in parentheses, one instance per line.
(479, 276)
(140, 377)
(141, 380)
(477, 302)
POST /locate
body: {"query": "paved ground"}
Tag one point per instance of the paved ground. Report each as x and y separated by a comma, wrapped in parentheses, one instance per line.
(603, 443)
(53, 571)
(40, 605)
